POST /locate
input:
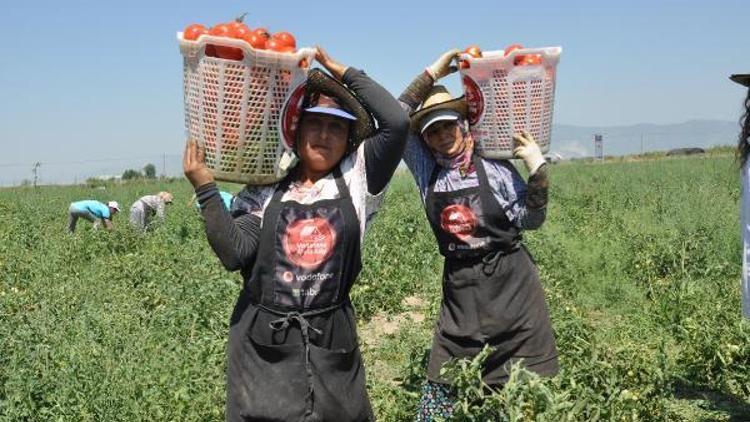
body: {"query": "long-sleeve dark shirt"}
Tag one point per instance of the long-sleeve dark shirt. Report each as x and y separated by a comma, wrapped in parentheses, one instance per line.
(234, 234)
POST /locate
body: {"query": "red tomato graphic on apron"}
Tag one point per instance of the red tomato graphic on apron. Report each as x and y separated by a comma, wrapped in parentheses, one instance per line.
(458, 220)
(309, 242)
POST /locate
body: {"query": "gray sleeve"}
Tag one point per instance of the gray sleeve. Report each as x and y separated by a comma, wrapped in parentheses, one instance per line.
(234, 238)
(416, 92)
(160, 208)
(512, 193)
(420, 162)
(417, 157)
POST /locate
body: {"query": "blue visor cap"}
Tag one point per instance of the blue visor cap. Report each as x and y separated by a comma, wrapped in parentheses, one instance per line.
(324, 104)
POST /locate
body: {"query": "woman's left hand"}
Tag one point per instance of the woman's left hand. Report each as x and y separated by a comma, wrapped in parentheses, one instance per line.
(529, 151)
(443, 65)
(335, 68)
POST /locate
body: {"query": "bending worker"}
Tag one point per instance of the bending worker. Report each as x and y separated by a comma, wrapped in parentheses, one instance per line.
(93, 211)
(144, 209)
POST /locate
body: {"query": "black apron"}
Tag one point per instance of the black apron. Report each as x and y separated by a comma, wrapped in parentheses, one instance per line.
(293, 353)
(491, 290)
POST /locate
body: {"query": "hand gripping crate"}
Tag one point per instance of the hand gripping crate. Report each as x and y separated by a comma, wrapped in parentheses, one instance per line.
(505, 98)
(243, 112)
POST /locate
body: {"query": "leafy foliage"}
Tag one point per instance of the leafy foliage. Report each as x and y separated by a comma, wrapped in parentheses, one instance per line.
(149, 171)
(131, 174)
(640, 263)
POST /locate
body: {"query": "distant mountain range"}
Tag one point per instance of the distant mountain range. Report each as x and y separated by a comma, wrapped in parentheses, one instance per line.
(578, 141)
(568, 141)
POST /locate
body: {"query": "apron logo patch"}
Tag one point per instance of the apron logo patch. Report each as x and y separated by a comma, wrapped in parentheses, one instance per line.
(458, 220)
(289, 277)
(309, 242)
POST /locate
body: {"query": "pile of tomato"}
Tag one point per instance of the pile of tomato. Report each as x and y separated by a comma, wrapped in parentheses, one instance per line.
(519, 60)
(258, 38)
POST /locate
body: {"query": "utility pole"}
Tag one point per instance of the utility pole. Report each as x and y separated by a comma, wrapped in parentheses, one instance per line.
(599, 147)
(35, 170)
(641, 144)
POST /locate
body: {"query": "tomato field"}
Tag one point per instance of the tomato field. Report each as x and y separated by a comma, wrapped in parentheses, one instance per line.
(640, 263)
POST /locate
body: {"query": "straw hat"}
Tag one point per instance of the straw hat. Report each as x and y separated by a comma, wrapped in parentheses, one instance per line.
(318, 82)
(439, 105)
(741, 78)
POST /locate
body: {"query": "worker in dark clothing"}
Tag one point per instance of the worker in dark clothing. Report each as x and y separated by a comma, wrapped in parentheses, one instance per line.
(477, 208)
(293, 352)
(743, 152)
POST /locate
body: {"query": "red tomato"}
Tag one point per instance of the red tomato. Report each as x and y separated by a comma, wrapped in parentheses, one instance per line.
(275, 45)
(230, 53)
(304, 63)
(233, 25)
(239, 30)
(262, 32)
(221, 30)
(474, 51)
(511, 48)
(531, 59)
(192, 32)
(211, 51)
(463, 64)
(256, 41)
(285, 38)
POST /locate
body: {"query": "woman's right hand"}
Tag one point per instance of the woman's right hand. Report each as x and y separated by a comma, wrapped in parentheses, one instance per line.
(442, 66)
(333, 67)
(194, 165)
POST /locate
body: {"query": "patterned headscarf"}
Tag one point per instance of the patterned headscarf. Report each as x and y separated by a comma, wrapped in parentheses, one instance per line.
(461, 160)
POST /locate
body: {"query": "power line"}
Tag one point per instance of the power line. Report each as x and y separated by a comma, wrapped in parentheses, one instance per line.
(101, 160)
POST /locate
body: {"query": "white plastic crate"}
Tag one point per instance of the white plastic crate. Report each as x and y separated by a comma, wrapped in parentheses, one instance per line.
(505, 98)
(235, 108)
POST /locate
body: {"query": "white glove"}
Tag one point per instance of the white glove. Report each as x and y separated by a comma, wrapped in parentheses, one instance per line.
(529, 151)
(442, 66)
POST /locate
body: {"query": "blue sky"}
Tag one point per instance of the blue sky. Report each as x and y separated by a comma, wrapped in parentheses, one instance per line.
(86, 80)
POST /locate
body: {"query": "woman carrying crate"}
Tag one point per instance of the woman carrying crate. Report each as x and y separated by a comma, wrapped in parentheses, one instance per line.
(293, 352)
(743, 150)
(478, 209)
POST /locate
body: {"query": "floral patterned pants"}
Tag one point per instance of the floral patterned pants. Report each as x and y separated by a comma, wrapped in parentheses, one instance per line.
(436, 402)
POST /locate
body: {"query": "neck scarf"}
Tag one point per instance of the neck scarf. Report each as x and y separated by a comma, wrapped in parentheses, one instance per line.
(461, 160)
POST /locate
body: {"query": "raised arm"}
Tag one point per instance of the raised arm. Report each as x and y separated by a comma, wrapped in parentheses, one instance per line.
(384, 149)
(417, 157)
(533, 205)
(234, 240)
(417, 91)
